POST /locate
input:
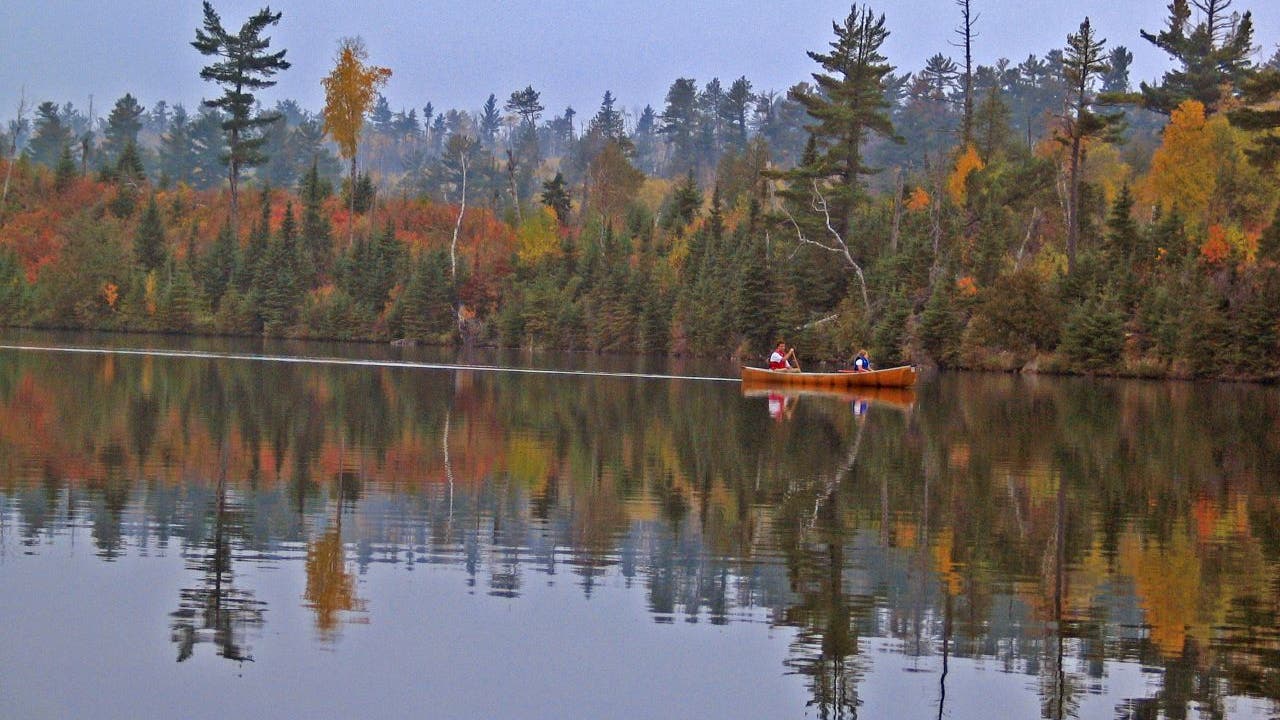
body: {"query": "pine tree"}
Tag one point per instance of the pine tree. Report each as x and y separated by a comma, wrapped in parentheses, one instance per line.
(490, 122)
(849, 107)
(1082, 63)
(243, 66)
(148, 242)
(556, 196)
(218, 267)
(123, 125)
(179, 304)
(50, 135)
(1093, 336)
(317, 234)
(427, 301)
(756, 300)
(941, 325)
(65, 173)
(277, 289)
(1210, 55)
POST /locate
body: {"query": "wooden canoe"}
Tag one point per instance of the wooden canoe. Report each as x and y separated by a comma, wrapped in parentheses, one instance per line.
(899, 377)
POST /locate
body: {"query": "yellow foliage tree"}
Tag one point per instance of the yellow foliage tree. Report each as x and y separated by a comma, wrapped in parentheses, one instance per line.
(538, 237)
(968, 163)
(1183, 170)
(349, 91)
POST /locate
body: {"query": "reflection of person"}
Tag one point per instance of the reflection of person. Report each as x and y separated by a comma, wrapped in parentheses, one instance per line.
(862, 363)
(780, 406)
(781, 357)
(859, 407)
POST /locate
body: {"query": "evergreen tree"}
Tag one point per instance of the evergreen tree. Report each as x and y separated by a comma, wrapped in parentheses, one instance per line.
(848, 108)
(249, 267)
(177, 148)
(208, 146)
(1093, 336)
(178, 306)
(490, 122)
(148, 241)
(243, 66)
(49, 136)
(1210, 55)
(737, 103)
(1082, 63)
(218, 267)
(556, 196)
(427, 301)
(123, 125)
(941, 325)
(317, 234)
(680, 123)
(65, 173)
(1262, 116)
(608, 120)
(756, 299)
(276, 285)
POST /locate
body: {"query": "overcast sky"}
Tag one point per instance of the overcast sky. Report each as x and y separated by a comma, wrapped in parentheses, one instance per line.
(454, 53)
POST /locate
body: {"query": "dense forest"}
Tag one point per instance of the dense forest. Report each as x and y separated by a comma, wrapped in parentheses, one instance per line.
(1044, 214)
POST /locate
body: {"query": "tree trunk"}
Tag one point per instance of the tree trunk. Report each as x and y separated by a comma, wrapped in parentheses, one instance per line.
(233, 177)
(1073, 193)
(351, 197)
(453, 245)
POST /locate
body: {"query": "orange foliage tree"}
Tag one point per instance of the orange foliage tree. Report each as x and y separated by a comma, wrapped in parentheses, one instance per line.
(1183, 174)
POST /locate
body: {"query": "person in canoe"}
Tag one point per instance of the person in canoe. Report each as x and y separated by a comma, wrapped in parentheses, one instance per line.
(781, 358)
(861, 363)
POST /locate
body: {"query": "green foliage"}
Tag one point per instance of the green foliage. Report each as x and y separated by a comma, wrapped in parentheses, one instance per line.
(941, 325)
(364, 193)
(1093, 336)
(426, 307)
(1017, 313)
(336, 315)
(65, 173)
(277, 287)
(367, 272)
(556, 197)
(217, 268)
(148, 241)
(889, 337)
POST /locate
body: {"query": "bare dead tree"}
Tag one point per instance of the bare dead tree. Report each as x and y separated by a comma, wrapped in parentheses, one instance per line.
(834, 244)
(965, 31)
(14, 129)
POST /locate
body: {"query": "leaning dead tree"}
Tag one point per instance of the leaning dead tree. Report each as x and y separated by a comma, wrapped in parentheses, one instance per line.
(15, 128)
(832, 241)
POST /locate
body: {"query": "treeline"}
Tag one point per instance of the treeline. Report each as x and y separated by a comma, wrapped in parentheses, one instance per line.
(1043, 213)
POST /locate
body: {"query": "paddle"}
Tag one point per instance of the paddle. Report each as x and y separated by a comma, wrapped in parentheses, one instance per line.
(792, 355)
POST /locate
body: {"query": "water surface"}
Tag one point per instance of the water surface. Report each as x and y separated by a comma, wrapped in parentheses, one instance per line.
(210, 537)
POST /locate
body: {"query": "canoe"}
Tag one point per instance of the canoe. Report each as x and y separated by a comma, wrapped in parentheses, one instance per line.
(901, 398)
(899, 377)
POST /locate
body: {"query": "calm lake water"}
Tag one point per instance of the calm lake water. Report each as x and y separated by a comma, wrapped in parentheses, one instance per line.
(218, 536)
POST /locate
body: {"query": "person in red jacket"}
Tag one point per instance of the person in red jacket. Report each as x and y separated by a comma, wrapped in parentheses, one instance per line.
(781, 357)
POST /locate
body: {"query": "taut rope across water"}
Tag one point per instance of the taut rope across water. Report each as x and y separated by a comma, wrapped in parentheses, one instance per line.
(302, 360)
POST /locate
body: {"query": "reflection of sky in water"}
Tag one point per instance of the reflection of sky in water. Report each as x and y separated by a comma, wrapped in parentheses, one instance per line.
(618, 547)
(432, 647)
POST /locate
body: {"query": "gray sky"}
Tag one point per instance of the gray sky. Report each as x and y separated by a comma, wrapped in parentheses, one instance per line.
(455, 53)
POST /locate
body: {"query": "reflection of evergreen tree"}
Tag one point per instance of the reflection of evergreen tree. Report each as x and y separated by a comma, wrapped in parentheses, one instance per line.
(216, 610)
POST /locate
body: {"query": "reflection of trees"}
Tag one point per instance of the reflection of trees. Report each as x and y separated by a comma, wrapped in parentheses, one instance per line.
(826, 650)
(216, 610)
(690, 491)
(331, 587)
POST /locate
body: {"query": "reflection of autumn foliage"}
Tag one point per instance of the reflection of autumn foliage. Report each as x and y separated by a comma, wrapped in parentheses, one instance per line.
(1168, 584)
(331, 587)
